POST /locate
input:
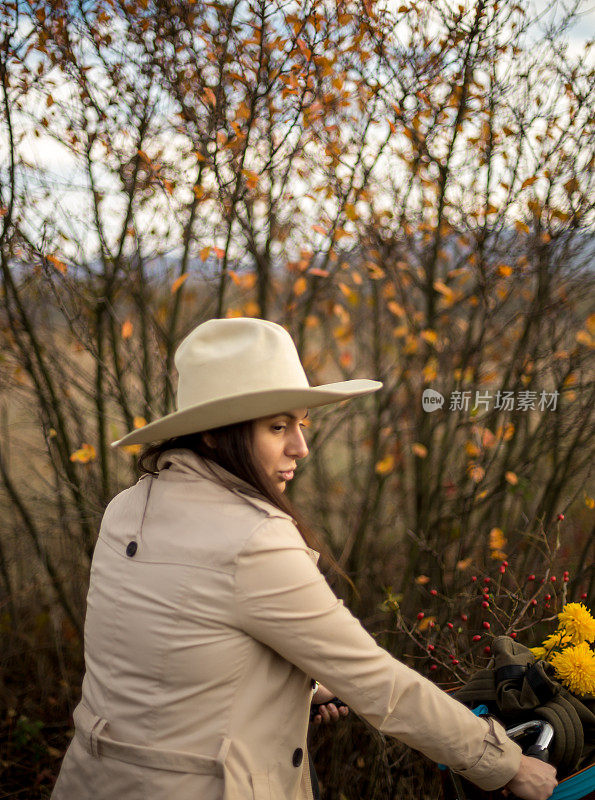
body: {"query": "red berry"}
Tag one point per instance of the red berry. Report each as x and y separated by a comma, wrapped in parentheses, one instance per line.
(431, 647)
(432, 623)
(565, 578)
(505, 563)
(474, 578)
(546, 605)
(566, 572)
(513, 635)
(485, 604)
(487, 649)
(553, 579)
(476, 638)
(584, 596)
(534, 602)
(542, 580)
(531, 577)
(502, 569)
(450, 625)
(464, 617)
(560, 517)
(486, 625)
(421, 615)
(487, 580)
(433, 667)
(547, 597)
(433, 592)
(455, 661)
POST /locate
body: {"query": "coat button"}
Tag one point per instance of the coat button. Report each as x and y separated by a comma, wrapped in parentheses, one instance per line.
(297, 756)
(131, 549)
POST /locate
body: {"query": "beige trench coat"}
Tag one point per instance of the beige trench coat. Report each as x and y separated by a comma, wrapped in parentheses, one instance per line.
(207, 619)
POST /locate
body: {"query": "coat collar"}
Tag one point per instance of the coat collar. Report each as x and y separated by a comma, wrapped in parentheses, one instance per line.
(194, 467)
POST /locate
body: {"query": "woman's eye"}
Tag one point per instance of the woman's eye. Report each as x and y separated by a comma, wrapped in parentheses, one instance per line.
(278, 427)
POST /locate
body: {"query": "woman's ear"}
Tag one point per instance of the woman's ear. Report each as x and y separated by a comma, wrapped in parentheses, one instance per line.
(209, 441)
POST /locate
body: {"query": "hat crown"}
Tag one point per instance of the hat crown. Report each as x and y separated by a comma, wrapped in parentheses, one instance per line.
(224, 357)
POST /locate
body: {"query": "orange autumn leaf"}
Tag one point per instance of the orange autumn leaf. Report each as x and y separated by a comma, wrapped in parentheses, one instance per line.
(385, 465)
(430, 336)
(219, 252)
(430, 370)
(445, 290)
(248, 281)
(464, 564)
(426, 623)
(350, 212)
(204, 253)
(396, 309)
(133, 449)
(209, 96)
(59, 265)
(511, 478)
(299, 287)
(419, 450)
(252, 178)
(497, 539)
(127, 329)
(487, 438)
(84, 454)
(422, 579)
(528, 182)
(521, 227)
(178, 282)
(251, 309)
(476, 473)
(139, 422)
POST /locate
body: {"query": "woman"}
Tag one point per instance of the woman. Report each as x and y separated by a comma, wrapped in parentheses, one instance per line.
(208, 621)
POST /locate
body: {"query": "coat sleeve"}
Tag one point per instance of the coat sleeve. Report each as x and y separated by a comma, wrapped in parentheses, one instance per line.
(283, 601)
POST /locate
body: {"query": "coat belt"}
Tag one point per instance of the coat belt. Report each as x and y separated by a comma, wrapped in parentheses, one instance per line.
(90, 729)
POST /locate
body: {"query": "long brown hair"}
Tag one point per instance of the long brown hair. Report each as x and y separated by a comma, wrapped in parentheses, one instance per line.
(233, 450)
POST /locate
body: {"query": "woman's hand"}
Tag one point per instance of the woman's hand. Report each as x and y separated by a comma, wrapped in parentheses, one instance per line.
(535, 780)
(328, 711)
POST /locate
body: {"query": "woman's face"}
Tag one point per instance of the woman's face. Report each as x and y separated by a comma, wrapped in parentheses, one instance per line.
(279, 442)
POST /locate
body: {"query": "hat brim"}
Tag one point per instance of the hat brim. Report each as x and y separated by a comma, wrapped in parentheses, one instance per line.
(239, 408)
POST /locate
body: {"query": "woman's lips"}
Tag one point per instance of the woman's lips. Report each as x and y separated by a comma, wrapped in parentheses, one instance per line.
(287, 476)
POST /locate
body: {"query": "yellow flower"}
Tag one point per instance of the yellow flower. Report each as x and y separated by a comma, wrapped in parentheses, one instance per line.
(577, 623)
(555, 641)
(575, 666)
(538, 652)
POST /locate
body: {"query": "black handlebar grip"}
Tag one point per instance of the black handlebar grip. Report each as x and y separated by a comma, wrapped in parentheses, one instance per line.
(537, 751)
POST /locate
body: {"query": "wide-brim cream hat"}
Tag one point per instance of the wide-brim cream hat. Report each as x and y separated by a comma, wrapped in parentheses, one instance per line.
(233, 370)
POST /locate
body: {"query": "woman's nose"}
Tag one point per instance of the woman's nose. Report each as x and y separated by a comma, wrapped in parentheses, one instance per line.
(297, 446)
